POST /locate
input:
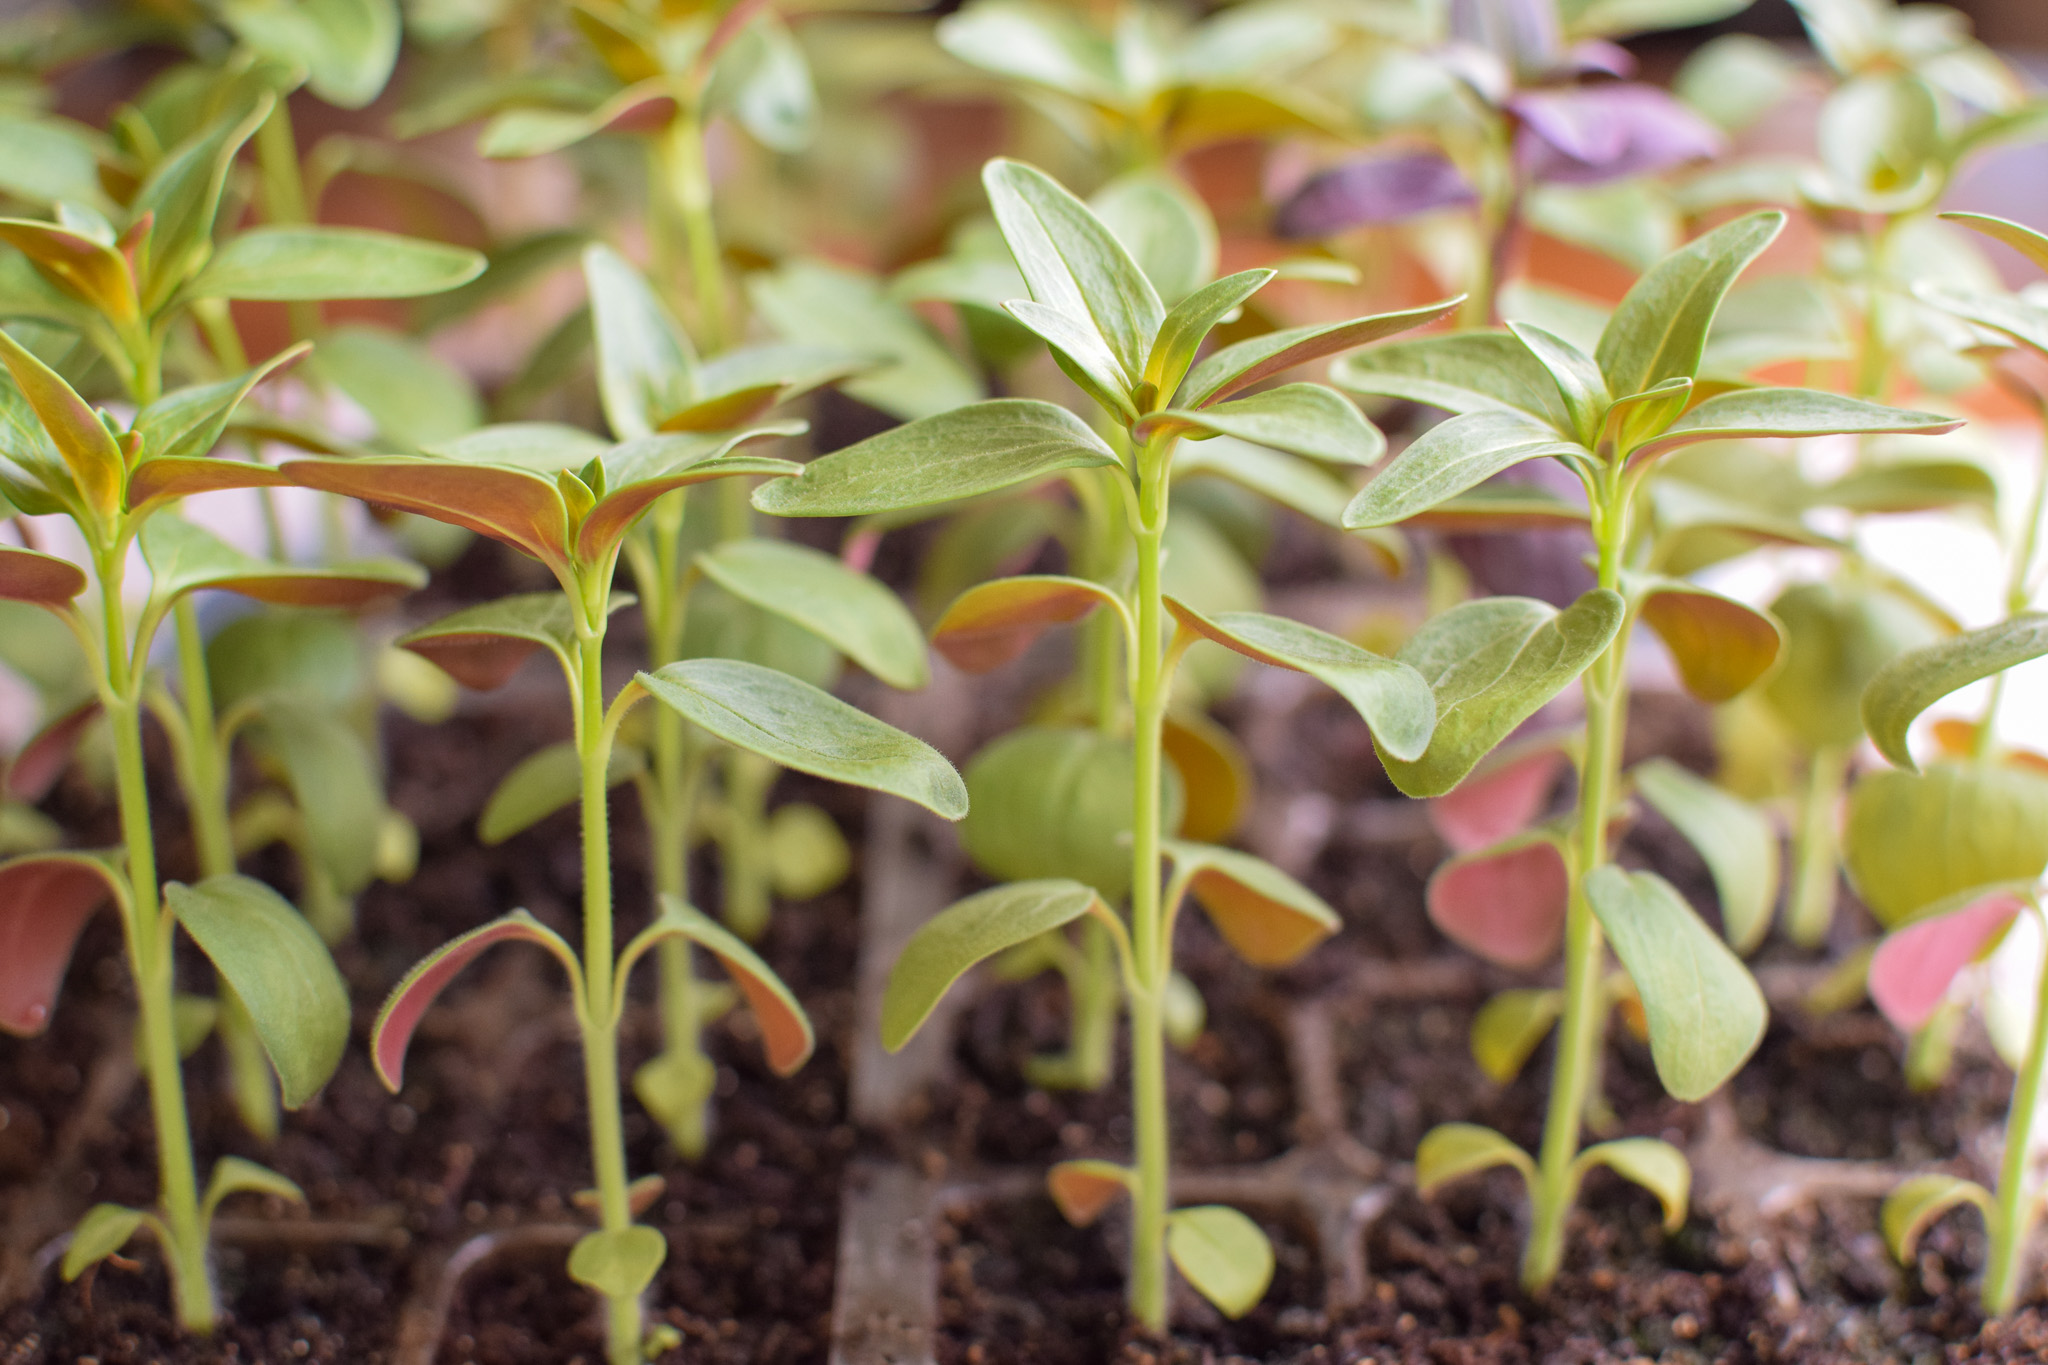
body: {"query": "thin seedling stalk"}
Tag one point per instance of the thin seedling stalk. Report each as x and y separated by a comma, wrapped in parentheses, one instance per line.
(2017, 1211)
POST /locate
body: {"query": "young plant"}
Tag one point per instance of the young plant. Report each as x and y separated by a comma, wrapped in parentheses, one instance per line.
(1526, 394)
(1137, 360)
(546, 493)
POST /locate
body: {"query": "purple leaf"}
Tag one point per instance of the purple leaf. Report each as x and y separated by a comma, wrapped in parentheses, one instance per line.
(1605, 132)
(1373, 189)
(1522, 33)
(1597, 55)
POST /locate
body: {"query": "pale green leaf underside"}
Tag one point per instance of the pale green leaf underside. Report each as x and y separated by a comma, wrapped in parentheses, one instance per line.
(1455, 455)
(967, 932)
(1920, 677)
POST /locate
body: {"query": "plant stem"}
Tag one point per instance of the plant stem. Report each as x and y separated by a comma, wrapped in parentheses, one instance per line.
(2016, 1209)
(600, 1031)
(148, 930)
(686, 177)
(1812, 906)
(284, 195)
(1585, 1006)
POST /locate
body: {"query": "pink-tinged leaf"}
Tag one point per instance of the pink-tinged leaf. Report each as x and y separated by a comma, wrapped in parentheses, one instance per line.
(410, 999)
(1374, 189)
(180, 476)
(615, 515)
(786, 1035)
(45, 757)
(992, 623)
(1720, 645)
(1584, 135)
(1083, 1189)
(1506, 903)
(522, 509)
(1498, 802)
(45, 901)
(335, 587)
(45, 580)
(1911, 970)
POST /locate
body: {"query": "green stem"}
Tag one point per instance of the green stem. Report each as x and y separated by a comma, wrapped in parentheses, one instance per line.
(148, 930)
(2017, 1210)
(1585, 1004)
(1812, 906)
(284, 195)
(686, 178)
(600, 1032)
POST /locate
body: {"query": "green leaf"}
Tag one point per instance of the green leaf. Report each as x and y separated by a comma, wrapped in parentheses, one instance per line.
(104, 1230)
(646, 367)
(347, 47)
(89, 271)
(416, 398)
(51, 159)
(1072, 262)
(1450, 1151)
(279, 967)
(801, 727)
(1733, 837)
(1302, 419)
(1223, 1254)
(963, 453)
(862, 619)
(1166, 228)
(763, 78)
(239, 1175)
(1082, 354)
(1911, 1208)
(335, 784)
(1911, 840)
(1911, 486)
(297, 263)
(1788, 413)
(967, 932)
(87, 447)
(184, 558)
(1189, 322)
(1580, 386)
(482, 646)
(1837, 635)
(1643, 415)
(1510, 1026)
(542, 783)
(1462, 372)
(1269, 918)
(912, 374)
(1659, 330)
(1248, 362)
(182, 195)
(1915, 680)
(1705, 1012)
(1491, 664)
(1031, 43)
(1390, 696)
(1455, 455)
(1057, 802)
(620, 1263)
(187, 423)
(785, 1029)
(1291, 482)
(807, 854)
(1657, 1166)
(2019, 237)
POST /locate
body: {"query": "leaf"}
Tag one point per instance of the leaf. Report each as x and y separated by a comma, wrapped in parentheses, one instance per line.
(239, 1175)
(516, 506)
(642, 471)
(1057, 802)
(1911, 840)
(1030, 43)
(1912, 1208)
(1302, 419)
(862, 619)
(1390, 696)
(912, 373)
(1491, 664)
(963, 453)
(264, 948)
(1215, 775)
(1837, 636)
(1721, 646)
(1501, 507)
(1705, 1012)
(91, 272)
(542, 783)
(1505, 903)
(181, 197)
(1918, 678)
(347, 47)
(416, 398)
(1269, 918)
(1911, 486)
(1580, 386)
(482, 646)
(1659, 330)
(2019, 237)
(184, 558)
(305, 263)
(993, 623)
(1451, 457)
(45, 900)
(88, 448)
(785, 1029)
(1451, 1151)
(619, 1263)
(156, 482)
(1072, 262)
(1081, 354)
(1509, 1027)
(44, 580)
(1188, 324)
(1248, 362)
(1223, 1254)
(104, 1230)
(1287, 480)
(419, 988)
(769, 85)
(967, 932)
(1084, 1189)
(1748, 413)
(1167, 229)
(646, 367)
(1913, 967)
(797, 725)
(187, 423)
(1460, 372)
(1499, 800)
(807, 854)
(1733, 837)
(1657, 1166)
(1375, 188)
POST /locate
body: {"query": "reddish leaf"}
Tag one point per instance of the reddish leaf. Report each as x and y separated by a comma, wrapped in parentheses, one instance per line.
(614, 515)
(178, 476)
(522, 509)
(45, 580)
(336, 587)
(1498, 801)
(1506, 903)
(95, 275)
(1083, 1189)
(45, 757)
(1720, 645)
(410, 999)
(1912, 968)
(45, 901)
(992, 623)
(1215, 775)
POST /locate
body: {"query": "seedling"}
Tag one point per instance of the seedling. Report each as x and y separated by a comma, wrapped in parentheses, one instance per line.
(547, 493)
(1137, 360)
(1526, 394)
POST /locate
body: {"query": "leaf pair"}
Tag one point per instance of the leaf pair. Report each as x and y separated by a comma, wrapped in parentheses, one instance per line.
(1454, 1150)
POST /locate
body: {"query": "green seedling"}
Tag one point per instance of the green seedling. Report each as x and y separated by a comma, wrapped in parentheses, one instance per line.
(1108, 328)
(546, 492)
(1526, 394)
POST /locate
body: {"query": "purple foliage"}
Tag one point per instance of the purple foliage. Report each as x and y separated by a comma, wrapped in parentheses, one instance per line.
(1373, 189)
(1605, 132)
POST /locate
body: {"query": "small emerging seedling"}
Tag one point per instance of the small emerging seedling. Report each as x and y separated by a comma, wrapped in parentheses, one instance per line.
(1526, 394)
